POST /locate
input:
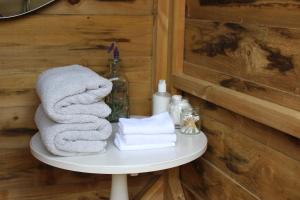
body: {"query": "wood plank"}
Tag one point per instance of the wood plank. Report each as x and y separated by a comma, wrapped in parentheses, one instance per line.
(21, 174)
(243, 85)
(88, 187)
(156, 192)
(263, 12)
(12, 118)
(96, 7)
(52, 38)
(274, 115)
(206, 181)
(261, 170)
(161, 42)
(262, 54)
(177, 39)
(62, 192)
(174, 184)
(279, 141)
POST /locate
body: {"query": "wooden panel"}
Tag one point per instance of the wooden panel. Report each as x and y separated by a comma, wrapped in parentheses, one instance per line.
(243, 57)
(56, 40)
(276, 116)
(205, 181)
(279, 141)
(67, 32)
(265, 172)
(177, 39)
(161, 50)
(102, 7)
(156, 191)
(265, 55)
(173, 189)
(63, 38)
(24, 177)
(242, 85)
(269, 12)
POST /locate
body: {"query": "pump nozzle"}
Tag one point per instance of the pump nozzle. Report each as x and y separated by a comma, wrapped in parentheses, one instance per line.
(162, 86)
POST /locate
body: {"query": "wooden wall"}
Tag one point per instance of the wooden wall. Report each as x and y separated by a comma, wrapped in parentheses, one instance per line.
(252, 47)
(67, 32)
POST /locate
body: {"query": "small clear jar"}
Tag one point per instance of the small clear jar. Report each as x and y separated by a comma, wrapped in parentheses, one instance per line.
(190, 122)
(175, 109)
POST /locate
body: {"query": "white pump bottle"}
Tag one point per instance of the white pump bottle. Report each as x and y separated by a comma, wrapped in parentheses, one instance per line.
(161, 99)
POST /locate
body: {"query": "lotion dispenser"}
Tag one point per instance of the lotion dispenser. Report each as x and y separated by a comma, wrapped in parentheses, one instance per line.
(161, 99)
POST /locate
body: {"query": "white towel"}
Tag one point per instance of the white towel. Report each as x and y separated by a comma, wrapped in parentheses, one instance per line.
(147, 138)
(72, 139)
(71, 94)
(120, 144)
(157, 124)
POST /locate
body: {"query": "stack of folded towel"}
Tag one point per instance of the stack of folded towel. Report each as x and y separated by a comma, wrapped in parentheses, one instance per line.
(71, 116)
(157, 131)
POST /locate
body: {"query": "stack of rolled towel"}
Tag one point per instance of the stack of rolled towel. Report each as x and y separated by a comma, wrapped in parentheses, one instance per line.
(153, 132)
(71, 116)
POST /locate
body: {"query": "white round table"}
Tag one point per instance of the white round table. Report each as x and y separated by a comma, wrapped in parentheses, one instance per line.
(120, 163)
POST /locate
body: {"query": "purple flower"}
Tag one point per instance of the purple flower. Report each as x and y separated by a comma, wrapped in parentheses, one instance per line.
(112, 46)
(116, 53)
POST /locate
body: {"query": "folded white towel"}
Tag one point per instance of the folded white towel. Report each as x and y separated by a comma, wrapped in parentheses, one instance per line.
(72, 139)
(148, 139)
(157, 124)
(71, 94)
(120, 144)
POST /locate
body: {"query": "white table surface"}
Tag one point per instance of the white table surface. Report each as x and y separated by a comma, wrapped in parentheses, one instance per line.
(187, 149)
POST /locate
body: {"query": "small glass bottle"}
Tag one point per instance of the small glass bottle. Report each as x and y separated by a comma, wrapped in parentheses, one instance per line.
(175, 109)
(118, 99)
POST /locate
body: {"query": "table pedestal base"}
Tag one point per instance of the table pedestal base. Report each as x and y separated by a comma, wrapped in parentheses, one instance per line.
(119, 189)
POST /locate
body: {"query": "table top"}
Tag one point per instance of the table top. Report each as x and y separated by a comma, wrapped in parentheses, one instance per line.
(113, 161)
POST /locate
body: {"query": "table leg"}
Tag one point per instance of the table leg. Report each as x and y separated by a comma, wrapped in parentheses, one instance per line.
(119, 189)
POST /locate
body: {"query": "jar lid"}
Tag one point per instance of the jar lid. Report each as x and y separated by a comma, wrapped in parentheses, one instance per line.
(177, 98)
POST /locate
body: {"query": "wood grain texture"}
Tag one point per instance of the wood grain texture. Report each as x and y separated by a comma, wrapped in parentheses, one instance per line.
(161, 50)
(279, 141)
(177, 39)
(263, 171)
(274, 115)
(24, 177)
(173, 189)
(265, 55)
(155, 192)
(100, 7)
(64, 33)
(249, 48)
(243, 85)
(263, 148)
(57, 40)
(205, 181)
(277, 13)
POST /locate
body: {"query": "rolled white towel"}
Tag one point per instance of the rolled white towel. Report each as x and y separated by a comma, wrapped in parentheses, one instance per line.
(72, 94)
(72, 139)
(157, 124)
(120, 144)
(148, 138)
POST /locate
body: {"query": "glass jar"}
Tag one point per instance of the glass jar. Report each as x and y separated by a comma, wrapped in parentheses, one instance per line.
(175, 109)
(190, 123)
(185, 104)
(118, 99)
